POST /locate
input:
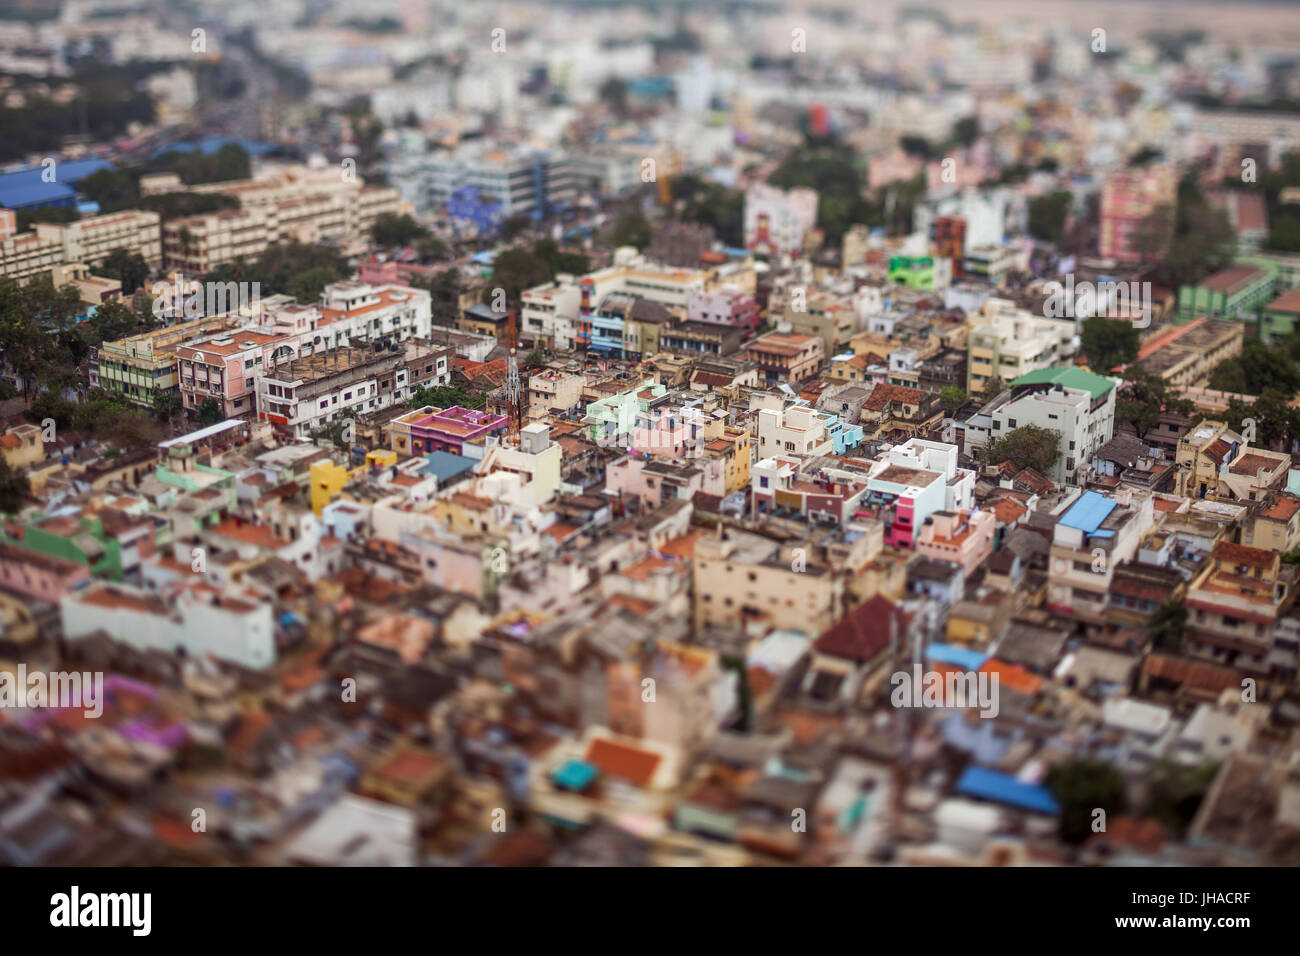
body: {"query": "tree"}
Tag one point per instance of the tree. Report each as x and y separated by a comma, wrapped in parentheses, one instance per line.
(14, 487)
(129, 268)
(446, 396)
(834, 173)
(50, 404)
(340, 432)
(1081, 787)
(210, 411)
(613, 93)
(166, 406)
(1142, 397)
(1277, 424)
(515, 226)
(1258, 367)
(966, 130)
(557, 261)
(1109, 342)
(307, 286)
(708, 204)
(518, 268)
(391, 229)
(431, 248)
(630, 229)
(1029, 446)
(1048, 215)
(444, 292)
(112, 189)
(38, 332)
(917, 146)
(952, 398)
(1175, 792)
(112, 321)
(1167, 625)
(296, 268)
(1188, 241)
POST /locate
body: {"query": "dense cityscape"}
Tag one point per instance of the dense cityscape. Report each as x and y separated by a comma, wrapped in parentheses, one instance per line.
(560, 434)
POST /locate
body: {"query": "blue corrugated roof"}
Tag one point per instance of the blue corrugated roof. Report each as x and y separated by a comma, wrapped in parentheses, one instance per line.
(962, 657)
(26, 188)
(444, 466)
(1088, 512)
(23, 195)
(210, 144)
(1000, 788)
(67, 171)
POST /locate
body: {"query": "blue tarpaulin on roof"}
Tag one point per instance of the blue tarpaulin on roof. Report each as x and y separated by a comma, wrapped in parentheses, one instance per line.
(1000, 788)
(575, 775)
(1088, 512)
(957, 656)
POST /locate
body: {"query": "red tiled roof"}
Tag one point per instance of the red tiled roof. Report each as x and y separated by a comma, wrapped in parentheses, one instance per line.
(622, 761)
(1244, 554)
(865, 632)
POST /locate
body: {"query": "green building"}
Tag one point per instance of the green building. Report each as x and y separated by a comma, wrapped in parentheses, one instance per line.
(1278, 319)
(1238, 292)
(915, 272)
(77, 539)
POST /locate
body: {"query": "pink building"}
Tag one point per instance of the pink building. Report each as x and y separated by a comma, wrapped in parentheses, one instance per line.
(658, 481)
(668, 429)
(727, 306)
(431, 429)
(1127, 199)
(37, 575)
(227, 366)
(964, 537)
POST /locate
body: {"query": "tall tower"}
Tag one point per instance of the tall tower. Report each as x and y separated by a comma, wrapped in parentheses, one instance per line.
(514, 386)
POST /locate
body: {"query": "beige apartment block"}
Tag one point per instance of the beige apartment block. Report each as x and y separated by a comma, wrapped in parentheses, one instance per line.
(294, 205)
(89, 240)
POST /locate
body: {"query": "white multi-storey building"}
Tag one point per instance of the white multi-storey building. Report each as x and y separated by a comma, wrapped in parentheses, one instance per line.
(554, 312)
(777, 221)
(1077, 404)
(1006, 341)
(200, 619)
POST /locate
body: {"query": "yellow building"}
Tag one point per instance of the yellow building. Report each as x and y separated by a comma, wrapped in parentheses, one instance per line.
(327, 480)
(22, 446)
(1276, 526)
(734, 445)
(1201, 456)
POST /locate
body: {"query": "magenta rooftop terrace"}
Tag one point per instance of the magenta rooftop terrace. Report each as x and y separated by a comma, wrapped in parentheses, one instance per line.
(434, 429)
